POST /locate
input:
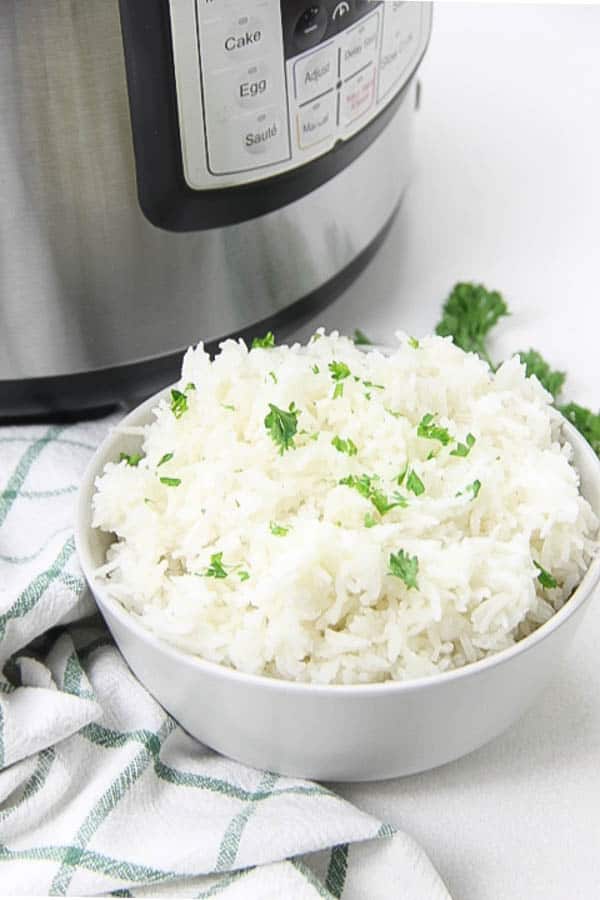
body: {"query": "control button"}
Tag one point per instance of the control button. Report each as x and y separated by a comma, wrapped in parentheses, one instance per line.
(341, 14)
(316, 121)
(400, 43)
(248, 141)
(315, 73)
(226, 43)
(357, 96)
(310, 27)
(253, 86)
(359, 45)
(263, 134)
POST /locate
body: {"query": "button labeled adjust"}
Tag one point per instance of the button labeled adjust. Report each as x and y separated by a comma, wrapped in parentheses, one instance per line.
(315, 73)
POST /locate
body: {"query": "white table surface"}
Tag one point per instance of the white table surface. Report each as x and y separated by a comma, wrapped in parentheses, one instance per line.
(506, 191)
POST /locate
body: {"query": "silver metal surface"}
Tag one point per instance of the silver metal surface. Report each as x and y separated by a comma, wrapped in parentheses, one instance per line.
(85, 281)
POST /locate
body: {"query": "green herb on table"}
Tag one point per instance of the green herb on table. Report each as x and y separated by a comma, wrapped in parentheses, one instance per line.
(282, 425)
(468, 315)
(405, 567)
(545, 578)
(344, 445)
(585, 421)
(264, 342)
(428, 429)
(536, 365)
(132, 459)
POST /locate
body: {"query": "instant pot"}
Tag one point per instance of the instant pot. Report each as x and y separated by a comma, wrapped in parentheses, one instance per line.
(182, 170)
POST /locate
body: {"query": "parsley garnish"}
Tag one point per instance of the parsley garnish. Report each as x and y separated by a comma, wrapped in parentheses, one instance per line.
(132, 459)
(428, 429)
(216, 568)
(338, 390)
(366, 486)
(414, 484)
(243, 575)
(282, 426)
(464, 449)
(370, 520)
(164, 459)
(535, 364)
(413, 342)
(405, 567)
(190, 386)
(339, 370)
(472, 488)
(265, 342)
(316, 369)
(179, 403)
(360, 338)
(273, 377)
(344, 445)
(468, 314)
(402, 475)
(369, 384)
(228, 406)
(545, 578)
(170, 482)
(278, 530)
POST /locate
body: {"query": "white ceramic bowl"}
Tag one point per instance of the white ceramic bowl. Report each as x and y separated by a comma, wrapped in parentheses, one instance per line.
(335, 732)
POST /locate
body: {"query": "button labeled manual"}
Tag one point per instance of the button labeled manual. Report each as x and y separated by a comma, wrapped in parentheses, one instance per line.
(316, 121)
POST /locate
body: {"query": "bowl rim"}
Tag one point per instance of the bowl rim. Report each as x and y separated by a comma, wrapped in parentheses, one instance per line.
(582, 593)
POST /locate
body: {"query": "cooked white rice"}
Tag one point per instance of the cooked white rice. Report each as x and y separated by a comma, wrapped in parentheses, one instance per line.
(306, 590)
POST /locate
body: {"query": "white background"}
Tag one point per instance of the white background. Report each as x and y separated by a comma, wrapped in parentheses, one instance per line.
(506, 191)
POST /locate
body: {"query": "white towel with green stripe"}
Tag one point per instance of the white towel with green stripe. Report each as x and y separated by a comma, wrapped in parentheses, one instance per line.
(101, 792)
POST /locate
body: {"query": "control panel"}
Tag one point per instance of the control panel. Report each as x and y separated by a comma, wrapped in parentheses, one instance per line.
(265, 86)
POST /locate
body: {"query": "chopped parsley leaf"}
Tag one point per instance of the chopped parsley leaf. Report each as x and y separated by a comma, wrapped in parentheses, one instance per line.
(216, 568)
(402, 475)
(179, 403)
(243, 575)
(370, 384)
(366, 487)
(405, 567)
(339, 370)
(273, 377)
(344, 445)
(229, 406)
(413, 342)
(338, 391)
(428, 429)
(472, 488)
(190, 386)
(282, 426)
(361, 339)
(170, 482)
(316, 369)
(132, 459)
(278, 530)
(265, 342)
(164, 459)
(545, 578)
(464, 449)
(370, 520)
(414, 484)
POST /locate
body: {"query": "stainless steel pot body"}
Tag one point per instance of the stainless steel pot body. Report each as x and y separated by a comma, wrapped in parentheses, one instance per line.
(87, 283)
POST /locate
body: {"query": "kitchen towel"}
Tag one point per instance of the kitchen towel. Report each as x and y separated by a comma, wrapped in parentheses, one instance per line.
(101, 792)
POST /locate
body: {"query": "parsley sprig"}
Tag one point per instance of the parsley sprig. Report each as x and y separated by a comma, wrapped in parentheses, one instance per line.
(339, 371)
(282, 425)
(469, 314)
(405, 567)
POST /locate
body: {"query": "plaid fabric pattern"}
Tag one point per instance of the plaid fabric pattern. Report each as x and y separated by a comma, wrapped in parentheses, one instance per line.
(101, 792)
